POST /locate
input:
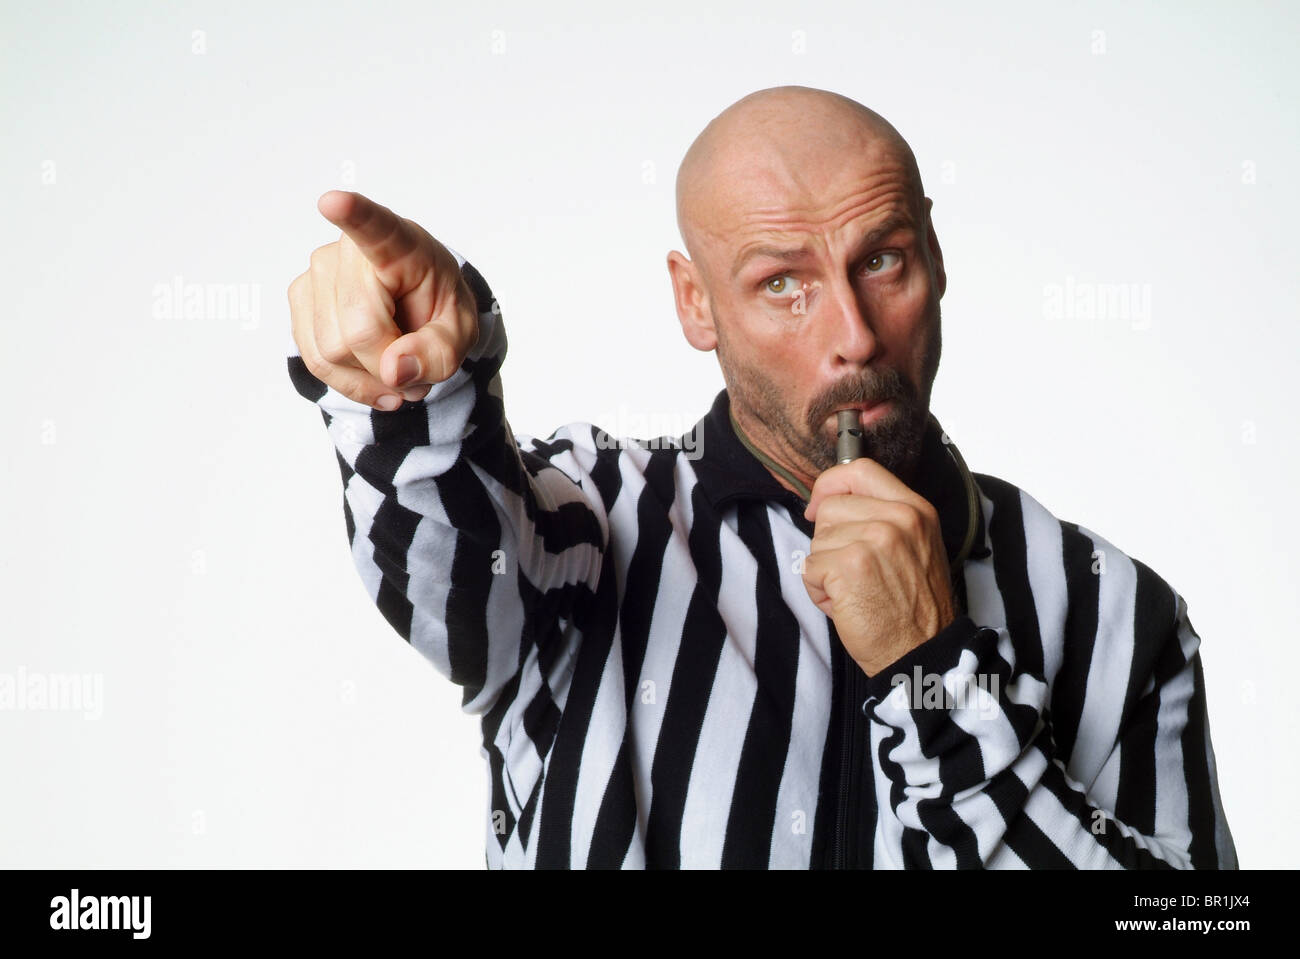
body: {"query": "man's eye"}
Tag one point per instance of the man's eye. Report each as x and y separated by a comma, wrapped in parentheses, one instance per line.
(877, 264)
(780, 285)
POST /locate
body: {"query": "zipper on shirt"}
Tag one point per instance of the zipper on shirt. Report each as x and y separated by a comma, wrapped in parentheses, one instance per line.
(846, 831)
(856, 802)
(841, 807)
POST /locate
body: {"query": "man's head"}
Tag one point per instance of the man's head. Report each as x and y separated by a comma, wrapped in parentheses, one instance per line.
(814, 272)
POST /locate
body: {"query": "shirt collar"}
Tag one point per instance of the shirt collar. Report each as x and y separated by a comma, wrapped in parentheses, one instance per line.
(728, 473)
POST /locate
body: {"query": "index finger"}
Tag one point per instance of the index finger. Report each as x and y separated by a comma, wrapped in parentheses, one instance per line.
(380, 234)
(863, 477)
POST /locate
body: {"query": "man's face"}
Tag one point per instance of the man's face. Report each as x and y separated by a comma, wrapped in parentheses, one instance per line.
(824, 288)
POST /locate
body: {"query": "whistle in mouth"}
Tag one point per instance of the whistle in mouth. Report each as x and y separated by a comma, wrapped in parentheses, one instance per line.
(848, 445)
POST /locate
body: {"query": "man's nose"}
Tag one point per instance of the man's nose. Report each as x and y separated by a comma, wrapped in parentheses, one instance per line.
(851, 331)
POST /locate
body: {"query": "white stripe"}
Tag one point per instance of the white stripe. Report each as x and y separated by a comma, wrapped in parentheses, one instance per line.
(677, 582)
(1110, 663)
(796, 797)
(726, 717)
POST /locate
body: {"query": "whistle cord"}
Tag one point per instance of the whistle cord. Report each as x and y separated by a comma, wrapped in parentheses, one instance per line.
(804, 492)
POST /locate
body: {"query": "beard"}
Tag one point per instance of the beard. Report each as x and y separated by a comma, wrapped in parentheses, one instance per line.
(894, 440)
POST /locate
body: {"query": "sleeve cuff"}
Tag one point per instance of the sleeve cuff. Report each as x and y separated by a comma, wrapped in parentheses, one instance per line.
(937, 655)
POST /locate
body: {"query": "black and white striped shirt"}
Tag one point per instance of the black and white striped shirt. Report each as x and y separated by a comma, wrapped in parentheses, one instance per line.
(657, 689)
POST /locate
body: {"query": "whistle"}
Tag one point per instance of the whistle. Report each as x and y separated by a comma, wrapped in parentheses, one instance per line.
(848, 445)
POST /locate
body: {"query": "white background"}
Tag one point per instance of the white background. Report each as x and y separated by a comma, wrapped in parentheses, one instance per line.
(172, 511)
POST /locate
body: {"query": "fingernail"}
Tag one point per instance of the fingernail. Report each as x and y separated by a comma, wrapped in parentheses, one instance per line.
(388, 402)
(408, 368)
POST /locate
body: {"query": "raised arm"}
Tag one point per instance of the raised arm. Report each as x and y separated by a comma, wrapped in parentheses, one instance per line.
(474, 548)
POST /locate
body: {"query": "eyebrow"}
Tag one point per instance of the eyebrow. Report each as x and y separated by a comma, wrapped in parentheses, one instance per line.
(894, 223)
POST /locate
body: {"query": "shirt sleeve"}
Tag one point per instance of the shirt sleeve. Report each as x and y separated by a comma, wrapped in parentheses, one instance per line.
(474, 543)
(969, 774)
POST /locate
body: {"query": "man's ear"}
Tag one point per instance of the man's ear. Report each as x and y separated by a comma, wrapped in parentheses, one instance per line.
(692, 302)
(936, 254)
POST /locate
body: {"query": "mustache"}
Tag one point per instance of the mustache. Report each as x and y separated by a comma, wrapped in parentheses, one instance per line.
(869, 388)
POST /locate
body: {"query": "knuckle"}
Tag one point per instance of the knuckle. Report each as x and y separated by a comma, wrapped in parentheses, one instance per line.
(915, 520)
(322, 255)
(300, 304)
(358, 393)
(315, 364)
(335, 351)
(880, 534)
(301, 338)
(362, 334)
(860, 556)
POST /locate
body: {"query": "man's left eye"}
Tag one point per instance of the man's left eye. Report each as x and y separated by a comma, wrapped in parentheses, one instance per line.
(877, 262)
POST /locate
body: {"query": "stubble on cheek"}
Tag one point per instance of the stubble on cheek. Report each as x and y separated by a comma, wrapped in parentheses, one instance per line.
(753, 390)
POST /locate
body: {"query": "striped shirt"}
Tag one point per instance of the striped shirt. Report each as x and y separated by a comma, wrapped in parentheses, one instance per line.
(656, 688)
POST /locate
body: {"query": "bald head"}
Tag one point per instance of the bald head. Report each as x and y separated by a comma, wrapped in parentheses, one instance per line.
(776, 146)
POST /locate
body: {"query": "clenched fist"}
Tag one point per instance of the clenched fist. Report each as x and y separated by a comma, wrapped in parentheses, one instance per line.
(877, 565)
(384, 312)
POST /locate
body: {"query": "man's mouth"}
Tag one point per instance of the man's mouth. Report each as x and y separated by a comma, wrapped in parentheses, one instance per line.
(868, 413)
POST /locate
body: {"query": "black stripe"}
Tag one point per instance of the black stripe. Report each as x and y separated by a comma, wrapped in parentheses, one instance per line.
(616, 821)
(1080, 633)
(478, 286)
(605, 474)
(1006, 531)
(478, 532)
(596, 621)
(824, 820)
(303, 380)
(767, 738)
(497, 798)
(1201, 813)
(1030, 843)
(943, 823)
(915, 849)
(688, 695)
(641, 582)
(1153, 618)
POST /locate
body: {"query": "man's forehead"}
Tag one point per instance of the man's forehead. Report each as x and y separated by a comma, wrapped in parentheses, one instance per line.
(789, 210)
(860, 232)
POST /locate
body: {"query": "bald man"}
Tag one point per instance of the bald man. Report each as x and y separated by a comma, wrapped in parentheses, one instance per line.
(735, 648)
